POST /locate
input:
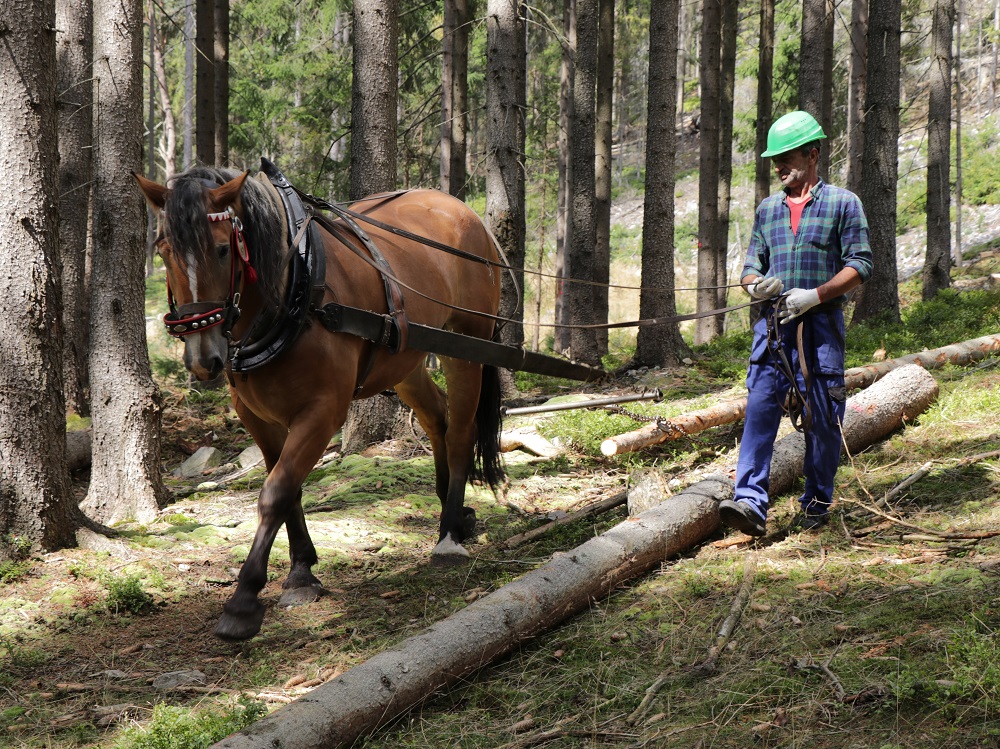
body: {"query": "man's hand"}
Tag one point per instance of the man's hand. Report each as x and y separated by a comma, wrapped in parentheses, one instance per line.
(765, 288)
(797, 302)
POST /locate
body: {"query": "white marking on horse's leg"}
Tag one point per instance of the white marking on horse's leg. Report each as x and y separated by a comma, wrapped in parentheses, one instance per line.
(447, 547)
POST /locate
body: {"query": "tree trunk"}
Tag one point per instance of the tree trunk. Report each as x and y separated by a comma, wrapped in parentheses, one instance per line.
(708, 174)
(221, 60)
(879, 296)
(373, 167)
(765, 77)
(815, 69)
(447, 91)
(168, 141)
(660, 345)
(74, 57)
(726, 412)
(35, 501)
(958, 134)
(564, 228)
(937, 265)
(125, 477)
(602, 166)
(506, 94)
(373, 693)
(727, 88)
(205, 82)
(856, 93)
(583, 342)
(190, 33)
(374, 96)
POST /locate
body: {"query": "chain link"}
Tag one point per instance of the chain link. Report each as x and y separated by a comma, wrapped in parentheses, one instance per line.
(662, 424)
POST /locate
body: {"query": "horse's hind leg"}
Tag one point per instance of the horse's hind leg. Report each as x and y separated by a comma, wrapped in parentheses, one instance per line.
(457, 521)
(431, 406)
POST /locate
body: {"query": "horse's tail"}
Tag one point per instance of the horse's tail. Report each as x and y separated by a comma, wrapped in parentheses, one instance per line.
(488, 465)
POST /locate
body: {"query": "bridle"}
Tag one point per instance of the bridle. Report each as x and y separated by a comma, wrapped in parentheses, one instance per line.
(196, 317)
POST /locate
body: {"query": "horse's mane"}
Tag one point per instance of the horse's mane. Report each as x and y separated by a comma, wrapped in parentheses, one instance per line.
(188, 230)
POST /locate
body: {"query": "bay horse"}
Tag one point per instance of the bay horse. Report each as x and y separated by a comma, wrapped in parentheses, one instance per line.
(224, 239)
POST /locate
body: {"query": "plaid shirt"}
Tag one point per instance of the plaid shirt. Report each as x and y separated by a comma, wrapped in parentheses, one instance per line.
(833, 234)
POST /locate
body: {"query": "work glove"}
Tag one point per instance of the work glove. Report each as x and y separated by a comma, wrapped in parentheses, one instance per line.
(797, 302)
(766, 288)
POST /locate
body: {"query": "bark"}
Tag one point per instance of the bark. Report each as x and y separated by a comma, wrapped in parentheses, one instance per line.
(454, 96)
(168, 141)
(727, 88)
(205, 82)
(506, 94)
(373, 97)
(602, 166)
(660, 345)
(563, 225)
(708, 172)
(879, 296)
(816, 69)
(187, 156)
(959, 354)
(856, 93)
(337, 713)
(34, 487)
(937, 265)
(872, 414)
(765, 76)
(220, 59)
(125, 476)
(373, 167)
(74, 55)
(583, 342)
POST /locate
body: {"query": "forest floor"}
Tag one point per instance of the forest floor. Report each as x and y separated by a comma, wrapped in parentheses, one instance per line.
(871, 632)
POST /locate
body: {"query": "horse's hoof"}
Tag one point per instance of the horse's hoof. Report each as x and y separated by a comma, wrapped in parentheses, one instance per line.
(448, 553)
(237, 628)
(301, 578)
(300, 596)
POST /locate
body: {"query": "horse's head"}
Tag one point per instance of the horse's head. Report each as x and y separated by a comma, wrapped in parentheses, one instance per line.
(200, 238)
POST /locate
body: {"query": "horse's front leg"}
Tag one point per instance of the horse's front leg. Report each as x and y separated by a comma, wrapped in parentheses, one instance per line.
(280, 502)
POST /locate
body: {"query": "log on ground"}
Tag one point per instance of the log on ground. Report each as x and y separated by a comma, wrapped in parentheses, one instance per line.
(371, 694)
(729, 411)
(872, 414)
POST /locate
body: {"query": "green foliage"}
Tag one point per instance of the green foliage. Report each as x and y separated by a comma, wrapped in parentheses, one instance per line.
(725, 357)
(183, 728)
(964, 678)
(126, 594)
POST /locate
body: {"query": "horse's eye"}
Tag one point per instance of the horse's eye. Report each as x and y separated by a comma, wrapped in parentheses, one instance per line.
(222, 250)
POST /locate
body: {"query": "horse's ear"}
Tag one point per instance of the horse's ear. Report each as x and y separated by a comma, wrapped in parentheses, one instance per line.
(156, 194)
(228, 193)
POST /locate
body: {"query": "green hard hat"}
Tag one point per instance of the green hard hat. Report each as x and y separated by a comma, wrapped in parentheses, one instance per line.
(791, 131)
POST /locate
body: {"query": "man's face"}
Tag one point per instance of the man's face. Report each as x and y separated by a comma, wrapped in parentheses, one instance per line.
(793, 167)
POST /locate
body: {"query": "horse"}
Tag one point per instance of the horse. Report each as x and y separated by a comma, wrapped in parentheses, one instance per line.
(223, 236)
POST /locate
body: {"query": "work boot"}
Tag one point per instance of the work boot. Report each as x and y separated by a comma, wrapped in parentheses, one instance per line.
(740, 516)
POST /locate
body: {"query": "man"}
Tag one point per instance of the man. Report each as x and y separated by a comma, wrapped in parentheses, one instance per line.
(810, 239)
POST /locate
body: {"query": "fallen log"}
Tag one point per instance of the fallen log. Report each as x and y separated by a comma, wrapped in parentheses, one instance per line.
(371, 694)
(727, 412)
(872, 414)
(78, 445)
(900, 396)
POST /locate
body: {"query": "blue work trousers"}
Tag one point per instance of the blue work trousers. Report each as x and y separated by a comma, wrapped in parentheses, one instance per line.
(767, 386)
